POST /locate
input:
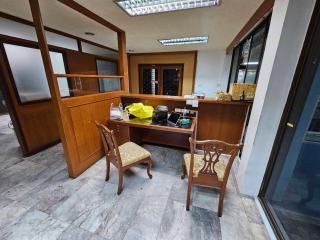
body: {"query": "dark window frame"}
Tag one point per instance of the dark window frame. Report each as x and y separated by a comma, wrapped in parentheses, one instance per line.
(265, 23)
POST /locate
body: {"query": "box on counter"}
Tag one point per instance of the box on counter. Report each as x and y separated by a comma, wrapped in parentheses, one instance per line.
(237, 90)
(222, 96)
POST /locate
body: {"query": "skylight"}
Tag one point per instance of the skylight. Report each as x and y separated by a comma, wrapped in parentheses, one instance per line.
(143, 7)
(184, 41)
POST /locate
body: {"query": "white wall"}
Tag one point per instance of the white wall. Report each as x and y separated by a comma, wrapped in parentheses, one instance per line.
(212, 72)
(289, 23)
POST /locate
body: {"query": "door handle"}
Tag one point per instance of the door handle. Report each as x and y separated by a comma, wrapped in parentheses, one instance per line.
(290, 125)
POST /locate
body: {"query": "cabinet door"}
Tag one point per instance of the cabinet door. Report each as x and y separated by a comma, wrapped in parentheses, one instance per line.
(121, 132)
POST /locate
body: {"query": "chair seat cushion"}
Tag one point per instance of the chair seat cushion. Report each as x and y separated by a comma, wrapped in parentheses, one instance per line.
(131, 153)
(219, 167)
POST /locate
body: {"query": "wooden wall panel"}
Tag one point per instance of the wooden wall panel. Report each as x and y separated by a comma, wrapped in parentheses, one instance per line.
(83, 63)
(39, 125)
(83, 118)
(79, 115)
(221, 122)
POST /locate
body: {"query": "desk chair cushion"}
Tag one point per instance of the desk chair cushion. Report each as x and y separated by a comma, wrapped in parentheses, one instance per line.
(219, 167)
(131, 153)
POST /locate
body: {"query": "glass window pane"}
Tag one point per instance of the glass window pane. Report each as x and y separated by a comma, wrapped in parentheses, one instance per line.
(255, 55)
(58, 67)
(28, 72)
(234, 64)
(19, 30)
(108, 68)
(61, 41)
(244, 56)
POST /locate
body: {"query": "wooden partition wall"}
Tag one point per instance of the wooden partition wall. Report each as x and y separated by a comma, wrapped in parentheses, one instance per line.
(76, 116)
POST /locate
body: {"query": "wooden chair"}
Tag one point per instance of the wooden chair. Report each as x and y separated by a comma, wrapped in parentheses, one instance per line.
(124, 156)
(208, 166)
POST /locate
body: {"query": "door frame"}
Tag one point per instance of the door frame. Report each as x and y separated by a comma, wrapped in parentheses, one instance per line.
(303, 78)
(159, 67)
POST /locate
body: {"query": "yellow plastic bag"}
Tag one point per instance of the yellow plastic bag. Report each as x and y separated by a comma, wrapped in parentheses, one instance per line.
(140, 111)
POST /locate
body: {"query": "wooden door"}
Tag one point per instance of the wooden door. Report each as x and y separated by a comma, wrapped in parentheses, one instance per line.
(171, 79)
(161, 79)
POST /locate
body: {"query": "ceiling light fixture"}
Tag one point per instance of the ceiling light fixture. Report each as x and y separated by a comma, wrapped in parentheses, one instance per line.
(143, 7)
(184, 41)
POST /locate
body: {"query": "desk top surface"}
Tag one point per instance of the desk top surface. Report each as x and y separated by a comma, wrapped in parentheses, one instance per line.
(149, 125)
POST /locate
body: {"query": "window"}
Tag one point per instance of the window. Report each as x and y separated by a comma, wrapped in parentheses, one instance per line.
(247, 56)
(29, 75)
(108, 68)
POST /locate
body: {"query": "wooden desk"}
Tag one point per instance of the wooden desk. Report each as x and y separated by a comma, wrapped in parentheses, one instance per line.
(219, 120)
(163, 135)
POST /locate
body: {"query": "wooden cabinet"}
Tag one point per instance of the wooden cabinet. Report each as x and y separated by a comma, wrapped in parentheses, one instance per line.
(121, 132)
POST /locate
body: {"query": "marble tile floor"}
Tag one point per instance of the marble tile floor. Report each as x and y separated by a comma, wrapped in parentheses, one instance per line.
(39, 201)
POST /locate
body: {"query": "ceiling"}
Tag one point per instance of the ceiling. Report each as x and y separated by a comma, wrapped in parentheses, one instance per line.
(221, 23)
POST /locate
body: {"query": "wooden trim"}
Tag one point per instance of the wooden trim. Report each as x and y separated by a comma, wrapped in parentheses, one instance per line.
(86, 76)
(29, 23)
(86, 12)
(261, 12)
(123, 61)
(53, 84)
(195, 70)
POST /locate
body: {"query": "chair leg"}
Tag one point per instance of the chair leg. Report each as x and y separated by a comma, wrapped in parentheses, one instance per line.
(107, 170)
(221, 198)
(120, 182)
(149, 168)
(189, 195)
(184, 170)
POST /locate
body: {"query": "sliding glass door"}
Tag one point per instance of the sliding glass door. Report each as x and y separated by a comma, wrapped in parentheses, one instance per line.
(291, 190)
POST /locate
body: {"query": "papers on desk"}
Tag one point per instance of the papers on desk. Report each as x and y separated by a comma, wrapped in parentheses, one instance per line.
(192, 100)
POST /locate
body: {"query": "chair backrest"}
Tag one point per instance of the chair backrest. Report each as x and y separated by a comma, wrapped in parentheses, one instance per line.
(110, 144)
(212, 151)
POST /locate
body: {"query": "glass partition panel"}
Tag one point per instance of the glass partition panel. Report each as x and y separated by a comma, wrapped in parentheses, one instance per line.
(18, 30)
(92, 49)
(29, 75)
(108, 68)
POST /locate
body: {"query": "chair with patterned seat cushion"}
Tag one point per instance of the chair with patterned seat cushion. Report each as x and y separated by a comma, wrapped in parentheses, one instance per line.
(124, 156)
(210, 166)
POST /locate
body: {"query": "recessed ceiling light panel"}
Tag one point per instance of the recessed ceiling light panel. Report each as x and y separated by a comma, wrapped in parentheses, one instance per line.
(184, 41)
(143, 7)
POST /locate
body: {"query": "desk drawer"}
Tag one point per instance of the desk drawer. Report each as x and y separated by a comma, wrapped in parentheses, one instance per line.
(121, 132)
